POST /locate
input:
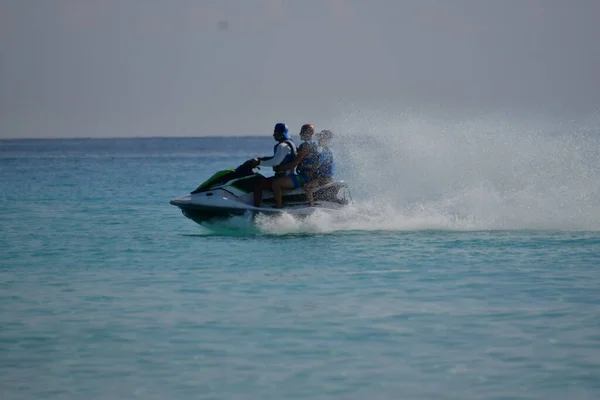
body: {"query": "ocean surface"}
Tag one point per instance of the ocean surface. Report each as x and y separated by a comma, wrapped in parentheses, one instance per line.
(468, 267)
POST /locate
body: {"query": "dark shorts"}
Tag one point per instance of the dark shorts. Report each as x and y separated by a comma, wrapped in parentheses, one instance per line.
(299, 180)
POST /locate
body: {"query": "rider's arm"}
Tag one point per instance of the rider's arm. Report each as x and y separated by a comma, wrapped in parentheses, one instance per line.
(292, 164)
(282, 151)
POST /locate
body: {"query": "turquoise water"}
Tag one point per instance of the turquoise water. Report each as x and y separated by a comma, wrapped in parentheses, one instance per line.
(482, 284)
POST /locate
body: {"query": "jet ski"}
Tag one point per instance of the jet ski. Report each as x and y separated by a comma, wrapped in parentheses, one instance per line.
(230, 192)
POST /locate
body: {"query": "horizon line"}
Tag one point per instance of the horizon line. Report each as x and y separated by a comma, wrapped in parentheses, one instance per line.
(133, 137)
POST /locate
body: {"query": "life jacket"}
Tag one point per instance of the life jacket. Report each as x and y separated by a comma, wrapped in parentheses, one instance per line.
(310, 163)
(288, 159)
(326, 164)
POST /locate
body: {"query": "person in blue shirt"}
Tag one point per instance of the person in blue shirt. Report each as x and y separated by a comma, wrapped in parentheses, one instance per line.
(326, 162)
(306, 163)
(283, 153)
(326, 167)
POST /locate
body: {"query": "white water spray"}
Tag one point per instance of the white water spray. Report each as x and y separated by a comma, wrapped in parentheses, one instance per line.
(486, 173)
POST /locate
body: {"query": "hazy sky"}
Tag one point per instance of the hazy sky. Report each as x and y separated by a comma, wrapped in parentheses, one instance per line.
(91, 68)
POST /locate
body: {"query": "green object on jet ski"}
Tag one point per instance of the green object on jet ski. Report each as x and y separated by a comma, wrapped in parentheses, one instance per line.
(215, 177)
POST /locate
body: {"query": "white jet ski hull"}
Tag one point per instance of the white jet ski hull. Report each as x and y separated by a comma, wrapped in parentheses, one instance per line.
(222, 198)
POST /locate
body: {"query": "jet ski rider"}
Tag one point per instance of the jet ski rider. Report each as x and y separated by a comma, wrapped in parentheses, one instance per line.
(306, 163)
(284, 152)
(326, 168)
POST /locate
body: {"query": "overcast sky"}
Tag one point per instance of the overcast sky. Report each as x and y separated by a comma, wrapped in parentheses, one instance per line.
(107, 68)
